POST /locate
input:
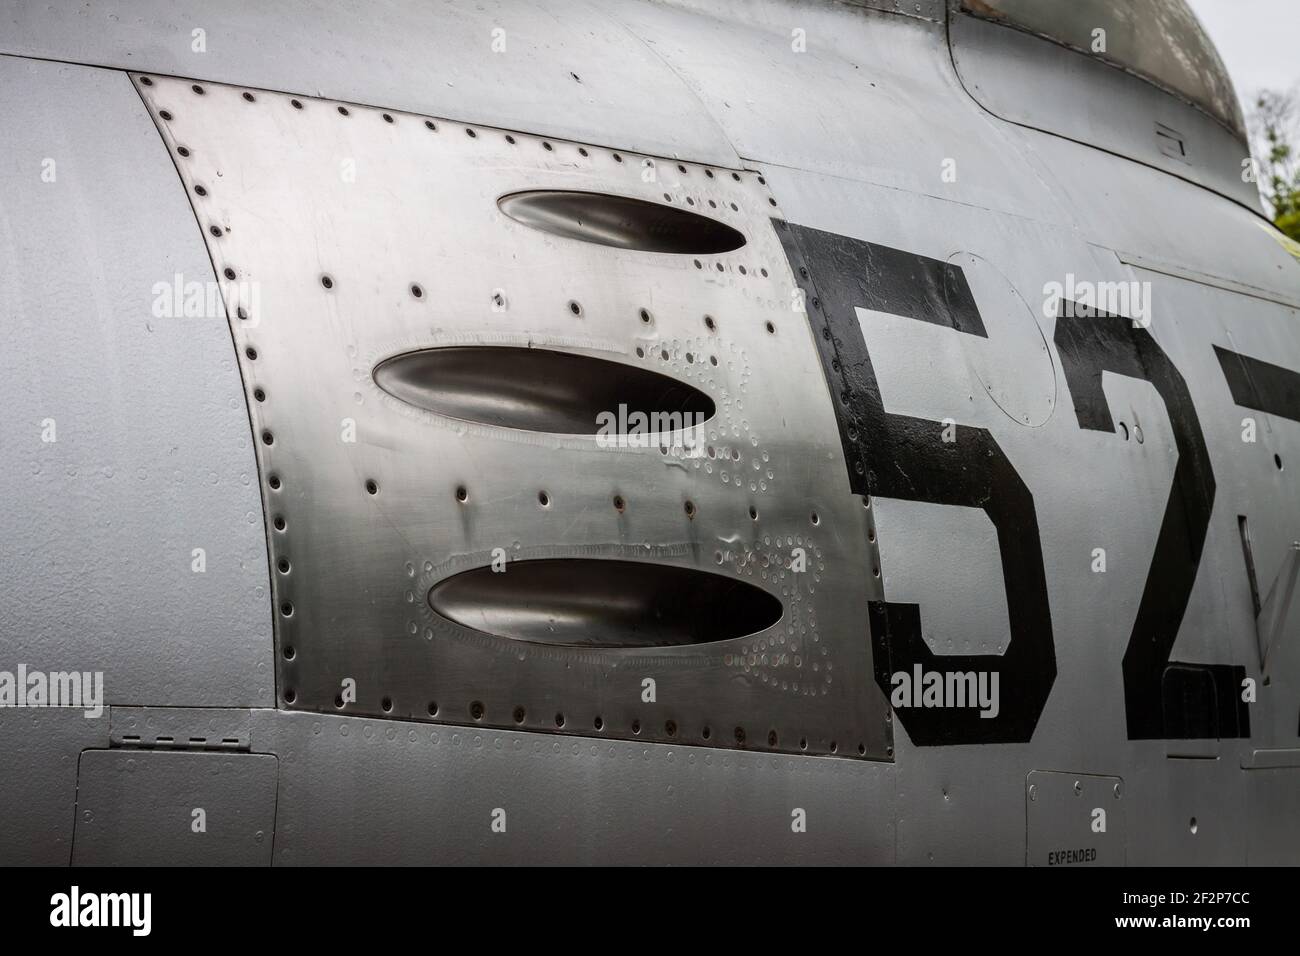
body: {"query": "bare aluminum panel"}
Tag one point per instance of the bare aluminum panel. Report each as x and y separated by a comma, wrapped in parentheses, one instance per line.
(397, 793)
(38, 763)
(1178, 239)
(1090, 490)
(1273, 796)
(565, 69)
(1189, 813)
(132, 520)
(364, 234)
(1074, 819)
(158, 808)
(837, 89)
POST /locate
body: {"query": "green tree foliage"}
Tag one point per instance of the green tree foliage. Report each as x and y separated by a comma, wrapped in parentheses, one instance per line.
(1273, 122)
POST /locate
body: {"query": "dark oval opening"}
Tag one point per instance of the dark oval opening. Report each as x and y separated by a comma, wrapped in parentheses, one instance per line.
(586, 602)
(542, 391)
(621, 222)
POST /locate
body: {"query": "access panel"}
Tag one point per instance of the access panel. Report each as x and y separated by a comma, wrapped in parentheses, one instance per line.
(174, 808)
(544, 438)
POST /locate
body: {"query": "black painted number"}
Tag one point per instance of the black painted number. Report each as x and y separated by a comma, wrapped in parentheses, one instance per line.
(896, 456)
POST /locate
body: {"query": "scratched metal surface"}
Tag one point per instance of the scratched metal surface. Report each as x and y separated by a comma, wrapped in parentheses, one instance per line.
(365, 491)
(1090, 490)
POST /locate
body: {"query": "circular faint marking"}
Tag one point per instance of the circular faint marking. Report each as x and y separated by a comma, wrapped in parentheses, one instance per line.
(1014, 363)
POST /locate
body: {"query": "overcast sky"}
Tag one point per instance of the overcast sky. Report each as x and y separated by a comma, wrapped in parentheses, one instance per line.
(1258, 39)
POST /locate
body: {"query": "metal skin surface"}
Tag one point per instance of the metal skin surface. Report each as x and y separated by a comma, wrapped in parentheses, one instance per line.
(126, 446)
(1163, 43)
(129, 802)
(374, 502)
(1093, 103)
(913, 400)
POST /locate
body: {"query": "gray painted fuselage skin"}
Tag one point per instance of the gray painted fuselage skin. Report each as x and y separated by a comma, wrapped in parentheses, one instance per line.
(216, 222)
